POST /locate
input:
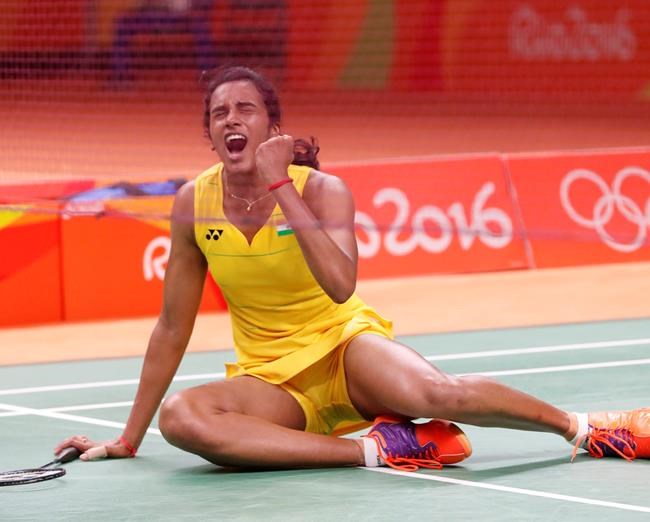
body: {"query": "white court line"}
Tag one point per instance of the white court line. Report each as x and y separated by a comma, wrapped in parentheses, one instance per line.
(444, 357)
(566, 368)
(482, 485)
(65, 416)
(99, 406)
(56, 413)
(105, 384)
(208, 376)
(80, 407)
(538, 349)
(16, 410)
(506, 489)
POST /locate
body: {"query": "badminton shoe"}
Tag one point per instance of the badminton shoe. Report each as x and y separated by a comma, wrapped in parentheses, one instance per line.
(407, 446)
(624, 434)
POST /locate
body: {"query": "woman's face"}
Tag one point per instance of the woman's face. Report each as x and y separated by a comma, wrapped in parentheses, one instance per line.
(239, 123)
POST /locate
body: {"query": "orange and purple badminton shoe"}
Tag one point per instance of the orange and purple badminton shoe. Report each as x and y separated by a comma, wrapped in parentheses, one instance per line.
(408, 446)
(624, 434)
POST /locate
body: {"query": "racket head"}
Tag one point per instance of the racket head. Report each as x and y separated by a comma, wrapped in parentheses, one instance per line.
(29, 476)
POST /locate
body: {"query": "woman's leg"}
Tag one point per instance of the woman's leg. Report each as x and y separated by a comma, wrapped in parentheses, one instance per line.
(384, 376)
(245, 421)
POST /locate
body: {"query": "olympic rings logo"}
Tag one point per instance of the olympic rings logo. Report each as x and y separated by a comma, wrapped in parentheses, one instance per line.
(611, 200)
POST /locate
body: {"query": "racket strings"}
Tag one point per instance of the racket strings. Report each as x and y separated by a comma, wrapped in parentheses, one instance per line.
(29, 476)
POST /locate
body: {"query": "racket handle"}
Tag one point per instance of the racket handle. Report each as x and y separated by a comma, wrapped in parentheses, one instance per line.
(68, 454)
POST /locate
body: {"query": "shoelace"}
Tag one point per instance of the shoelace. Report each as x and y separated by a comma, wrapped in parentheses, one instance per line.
(425, 458)
(607, 437)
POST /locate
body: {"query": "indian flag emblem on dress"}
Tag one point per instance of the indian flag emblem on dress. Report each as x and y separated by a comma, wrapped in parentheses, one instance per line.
(284, 229)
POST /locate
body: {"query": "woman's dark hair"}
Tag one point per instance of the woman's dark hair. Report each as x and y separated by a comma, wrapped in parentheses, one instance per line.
(305, 152)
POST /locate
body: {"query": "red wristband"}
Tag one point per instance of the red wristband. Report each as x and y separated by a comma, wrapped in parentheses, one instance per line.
(128, 446)
(278, 184)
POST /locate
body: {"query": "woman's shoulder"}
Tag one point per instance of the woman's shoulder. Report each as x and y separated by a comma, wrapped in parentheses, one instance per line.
(322, 181)
(202, 182)
(209, 175)
(324, 190)
(184, 200)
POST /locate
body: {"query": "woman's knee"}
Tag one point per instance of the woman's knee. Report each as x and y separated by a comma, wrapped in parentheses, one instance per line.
(176, 419)
(188, 421)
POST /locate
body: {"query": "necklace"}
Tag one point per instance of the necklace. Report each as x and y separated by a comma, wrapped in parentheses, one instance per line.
(249, 203)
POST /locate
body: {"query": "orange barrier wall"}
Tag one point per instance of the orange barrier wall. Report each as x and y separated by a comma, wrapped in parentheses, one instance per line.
(114, 263)
(434, 216)
(42, 190)
(584, 208)
(30, 268)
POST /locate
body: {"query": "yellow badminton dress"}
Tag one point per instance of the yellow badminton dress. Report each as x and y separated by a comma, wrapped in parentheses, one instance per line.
(283, 322)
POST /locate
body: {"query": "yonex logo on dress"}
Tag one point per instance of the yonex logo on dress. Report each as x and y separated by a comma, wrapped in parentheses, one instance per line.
(214, 233)
(637, 214)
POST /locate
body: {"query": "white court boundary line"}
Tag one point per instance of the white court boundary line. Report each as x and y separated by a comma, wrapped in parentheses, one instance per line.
(539, 349)
(58, 413)
(566, 368)
(105, 384)
(22, 410)
(507, 489)
(17, 410)
(80, 407)
(216, 376)
(468, 483)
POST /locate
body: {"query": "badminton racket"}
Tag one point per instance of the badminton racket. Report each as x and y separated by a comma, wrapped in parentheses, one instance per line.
(45, 472)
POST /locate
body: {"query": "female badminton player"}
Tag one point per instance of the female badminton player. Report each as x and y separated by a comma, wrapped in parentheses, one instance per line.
(312, 359)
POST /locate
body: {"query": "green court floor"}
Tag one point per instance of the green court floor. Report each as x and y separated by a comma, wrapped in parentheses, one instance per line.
(511, 476)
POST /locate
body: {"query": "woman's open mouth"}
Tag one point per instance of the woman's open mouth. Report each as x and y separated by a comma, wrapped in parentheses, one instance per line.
(235, 142)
